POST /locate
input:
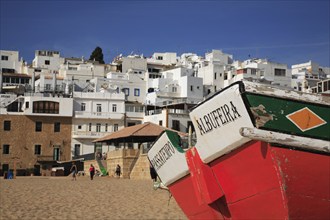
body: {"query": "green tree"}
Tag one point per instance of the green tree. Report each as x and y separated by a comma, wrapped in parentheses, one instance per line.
(97, 54)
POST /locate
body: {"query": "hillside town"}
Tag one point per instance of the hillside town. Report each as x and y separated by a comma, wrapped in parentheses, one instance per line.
(54, 110)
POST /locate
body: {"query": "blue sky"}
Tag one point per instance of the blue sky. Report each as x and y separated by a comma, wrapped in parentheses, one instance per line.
(288, 32)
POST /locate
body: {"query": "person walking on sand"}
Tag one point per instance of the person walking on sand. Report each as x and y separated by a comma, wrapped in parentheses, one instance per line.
(92, 171)
(118, 170)
(73, 170)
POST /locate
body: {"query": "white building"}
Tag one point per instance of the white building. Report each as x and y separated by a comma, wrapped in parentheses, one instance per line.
(131, 77)
(10, 62)
(262, 70)
(80, 70)
(13, 77)
(45, 83)
(48, 61)
(176, 86)
(305, 76)
(160, 62)
(96, 114)
(215, 71)
(171, 96)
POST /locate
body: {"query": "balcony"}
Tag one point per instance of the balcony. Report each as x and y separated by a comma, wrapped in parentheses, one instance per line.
(88, 134)
(99, 95)
(99, 115)
(134, 114)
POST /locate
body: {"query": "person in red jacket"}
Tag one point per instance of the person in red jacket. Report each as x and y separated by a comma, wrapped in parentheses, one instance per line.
(91, 171)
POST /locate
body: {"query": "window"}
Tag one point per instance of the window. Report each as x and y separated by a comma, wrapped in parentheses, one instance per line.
(47, 62)
(48, 87)
(126, 91)
(106, 127)
(27, 104)
(37, 149)
(191, 88)
(57, 127)
(174, 89)
(6, 70)
(90, 127)
(115, 127)
(5, 149)
(225, 77)
(161, 123)
(6, 125)
(79, 127)
(4, 57)
(98, 127)
(325, 86)
(215, 75)
(56, 153)
(46, 107)
(98, 109)
(83, 107)
(114, 107)
(253, 72)
(279, 72)
(38, 126)
(136, 92)
(77, 149)
(159, 58)
(176, 125)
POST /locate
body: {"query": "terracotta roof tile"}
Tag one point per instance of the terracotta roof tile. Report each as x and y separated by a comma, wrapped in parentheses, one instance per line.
(147, 129)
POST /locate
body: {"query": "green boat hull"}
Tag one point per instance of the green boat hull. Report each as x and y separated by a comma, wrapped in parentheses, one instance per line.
(278, 114)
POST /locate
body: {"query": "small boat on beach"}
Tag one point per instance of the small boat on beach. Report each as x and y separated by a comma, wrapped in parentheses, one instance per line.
(261, 153)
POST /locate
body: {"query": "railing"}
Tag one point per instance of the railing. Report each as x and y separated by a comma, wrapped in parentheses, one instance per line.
(6, 99)
(99, 95)
(88, 134)
(111, 115)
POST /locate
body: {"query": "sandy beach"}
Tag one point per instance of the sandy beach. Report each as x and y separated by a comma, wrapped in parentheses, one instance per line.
(103, 198)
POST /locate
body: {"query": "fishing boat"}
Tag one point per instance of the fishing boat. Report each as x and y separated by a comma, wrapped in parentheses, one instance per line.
(261, 153)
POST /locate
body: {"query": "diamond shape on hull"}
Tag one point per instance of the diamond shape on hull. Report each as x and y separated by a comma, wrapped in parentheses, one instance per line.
(305, 119)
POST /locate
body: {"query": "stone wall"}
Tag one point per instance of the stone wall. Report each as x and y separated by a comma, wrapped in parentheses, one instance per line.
(22, 139)
(87, 165)
(126, 158)
(141, 168)
(133, 164)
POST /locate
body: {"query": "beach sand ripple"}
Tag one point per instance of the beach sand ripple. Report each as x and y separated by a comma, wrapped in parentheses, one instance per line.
(103, 198)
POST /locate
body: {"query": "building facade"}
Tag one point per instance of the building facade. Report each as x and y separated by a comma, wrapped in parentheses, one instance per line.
(35, 134)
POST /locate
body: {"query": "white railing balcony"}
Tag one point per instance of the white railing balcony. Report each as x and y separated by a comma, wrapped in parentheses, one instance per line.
(168, 94)
(135, 114)
(99, 115)
(99, 95)
(88, 134)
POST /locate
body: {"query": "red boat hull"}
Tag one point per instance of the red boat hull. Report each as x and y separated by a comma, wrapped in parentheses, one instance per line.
(256, 181)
